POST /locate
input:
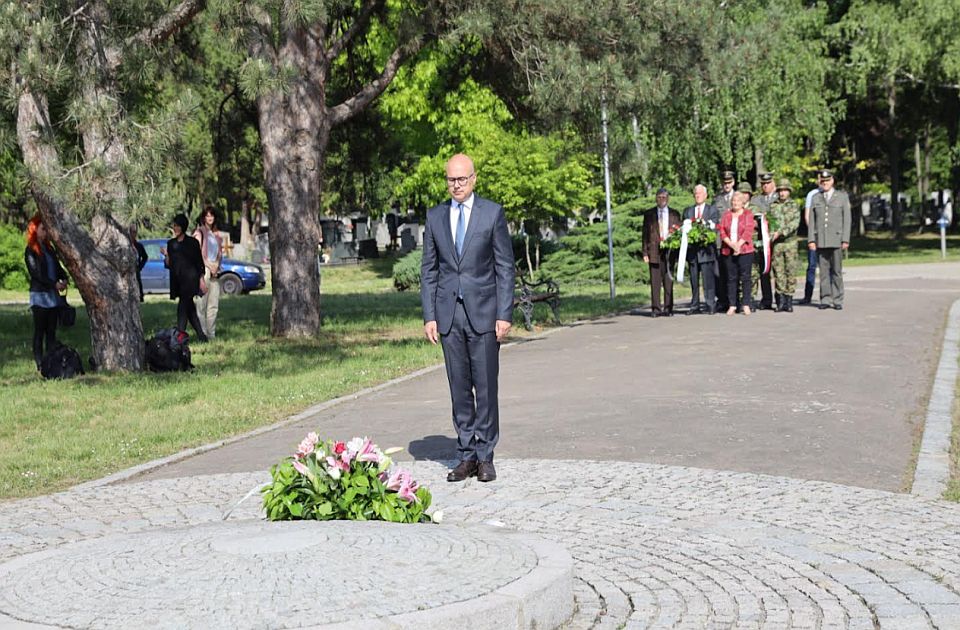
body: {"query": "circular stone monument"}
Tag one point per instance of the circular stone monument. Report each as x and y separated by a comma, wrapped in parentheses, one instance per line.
(256, 574)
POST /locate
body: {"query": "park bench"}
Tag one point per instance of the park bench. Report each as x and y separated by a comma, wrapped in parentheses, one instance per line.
(532, 292)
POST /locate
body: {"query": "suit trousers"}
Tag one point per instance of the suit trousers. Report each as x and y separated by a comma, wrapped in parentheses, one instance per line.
(738, 279)
(763, 286)
(472, 360)
(831, 275)
(661, 280)
(706, 271)
(811, 274)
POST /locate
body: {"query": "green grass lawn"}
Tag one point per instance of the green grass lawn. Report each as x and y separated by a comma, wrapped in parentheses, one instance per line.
(880, 248)
(54, 434)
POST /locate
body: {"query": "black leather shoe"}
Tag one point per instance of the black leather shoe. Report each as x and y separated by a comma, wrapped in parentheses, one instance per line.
(838, 307)
(823, 307)
(654, 313)
(486, 472)
(466, 468)
(787, 304)
(694, 310)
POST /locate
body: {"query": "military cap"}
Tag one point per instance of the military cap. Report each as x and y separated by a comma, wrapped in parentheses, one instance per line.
(745, 187)
(784, 184)
(663, 191)
(766, 178)
(825, 174)
(729, 176)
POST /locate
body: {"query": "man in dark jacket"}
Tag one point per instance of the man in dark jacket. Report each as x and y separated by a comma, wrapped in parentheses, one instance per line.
(183, 258)
(658, 222)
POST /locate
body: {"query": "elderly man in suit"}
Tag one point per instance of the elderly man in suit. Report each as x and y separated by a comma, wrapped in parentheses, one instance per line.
(829, 236)
(658, 222)
(466, 290)
(702, 259)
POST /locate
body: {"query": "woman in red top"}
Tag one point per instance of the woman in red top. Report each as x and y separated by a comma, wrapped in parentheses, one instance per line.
(736, 234)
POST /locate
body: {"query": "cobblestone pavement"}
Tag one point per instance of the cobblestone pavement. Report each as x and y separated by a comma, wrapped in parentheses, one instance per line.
(654, 546)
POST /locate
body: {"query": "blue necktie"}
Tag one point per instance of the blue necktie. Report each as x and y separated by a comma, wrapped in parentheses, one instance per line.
(461, 231)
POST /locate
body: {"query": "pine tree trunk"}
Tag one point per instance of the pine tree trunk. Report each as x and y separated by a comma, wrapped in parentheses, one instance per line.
(293, 137)
(101, 262)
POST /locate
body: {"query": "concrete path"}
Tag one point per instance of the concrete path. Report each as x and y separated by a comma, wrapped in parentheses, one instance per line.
(828, 395)
(630, 443)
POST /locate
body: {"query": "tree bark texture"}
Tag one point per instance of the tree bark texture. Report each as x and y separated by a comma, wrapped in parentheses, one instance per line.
(295, 126)
(101, 262)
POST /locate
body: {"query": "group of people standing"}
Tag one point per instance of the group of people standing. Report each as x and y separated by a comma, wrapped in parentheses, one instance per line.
(756, 246)
(194, 265)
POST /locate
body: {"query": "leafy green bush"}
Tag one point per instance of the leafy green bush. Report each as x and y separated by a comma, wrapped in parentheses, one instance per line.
(13, 273)
(406, 271)
(582, 256)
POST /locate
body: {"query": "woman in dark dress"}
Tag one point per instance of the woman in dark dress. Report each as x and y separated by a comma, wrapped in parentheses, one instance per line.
(47, 279)
(183, 258)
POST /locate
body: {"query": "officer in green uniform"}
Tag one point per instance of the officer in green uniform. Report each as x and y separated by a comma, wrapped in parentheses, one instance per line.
(785, 212)
(829, 236)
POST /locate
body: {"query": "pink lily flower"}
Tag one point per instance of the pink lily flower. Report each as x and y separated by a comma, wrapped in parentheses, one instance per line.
(408, 490)
(339, 464)
(369, 453)
(301, 468)
(308, 445)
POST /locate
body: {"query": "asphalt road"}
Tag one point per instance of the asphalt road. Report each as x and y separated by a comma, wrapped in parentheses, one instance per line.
(826, 395)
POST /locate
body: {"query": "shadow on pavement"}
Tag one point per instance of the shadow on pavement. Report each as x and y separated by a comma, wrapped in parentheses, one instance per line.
(438, 448)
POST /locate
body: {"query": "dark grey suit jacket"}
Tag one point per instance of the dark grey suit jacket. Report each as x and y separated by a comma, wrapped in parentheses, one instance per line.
(484, 275)
(709, 253)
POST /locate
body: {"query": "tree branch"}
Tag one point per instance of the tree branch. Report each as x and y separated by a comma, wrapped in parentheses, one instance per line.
(359, 23)
(356, 103)
(167, 24)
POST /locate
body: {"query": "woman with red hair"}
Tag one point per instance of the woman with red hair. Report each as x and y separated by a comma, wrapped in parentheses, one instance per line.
(47, 279)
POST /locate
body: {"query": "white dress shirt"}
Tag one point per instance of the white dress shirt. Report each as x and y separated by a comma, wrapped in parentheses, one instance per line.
(455, 215)
(664, 216)
(698, 212)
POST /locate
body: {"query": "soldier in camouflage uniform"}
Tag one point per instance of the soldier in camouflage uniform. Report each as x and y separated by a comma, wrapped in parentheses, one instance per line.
(786, 213)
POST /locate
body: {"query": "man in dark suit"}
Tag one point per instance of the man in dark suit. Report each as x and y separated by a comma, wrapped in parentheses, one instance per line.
(702, 259)
(657, 224)
(829, 235)
(466, 290)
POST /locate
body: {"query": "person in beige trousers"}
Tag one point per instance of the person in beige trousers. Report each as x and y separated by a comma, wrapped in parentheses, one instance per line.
(211, 247)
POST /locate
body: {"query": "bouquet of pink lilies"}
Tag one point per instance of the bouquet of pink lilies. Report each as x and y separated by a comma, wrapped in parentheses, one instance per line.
(352, 480)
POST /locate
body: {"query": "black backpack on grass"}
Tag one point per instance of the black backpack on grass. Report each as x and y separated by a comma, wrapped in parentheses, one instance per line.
(168, 351)
(61, 361)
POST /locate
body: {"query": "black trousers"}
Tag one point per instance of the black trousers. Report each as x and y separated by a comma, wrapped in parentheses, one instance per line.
(187, 311)
(661, 280)
(722, 280)
(706, 270)
(44, 329)
(738, 279)
(766, 288)
(472, 360)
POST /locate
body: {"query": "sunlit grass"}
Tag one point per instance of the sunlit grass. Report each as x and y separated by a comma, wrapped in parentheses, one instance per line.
(54, 434)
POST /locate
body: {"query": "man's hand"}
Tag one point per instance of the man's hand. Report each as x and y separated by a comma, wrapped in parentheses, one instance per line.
(844, 246)
(812, 247)
(430, 330)
(503, 329)
(646, 258)
(774, 236)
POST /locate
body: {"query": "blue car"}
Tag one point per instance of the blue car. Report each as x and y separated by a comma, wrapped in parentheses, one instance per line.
(236, 276)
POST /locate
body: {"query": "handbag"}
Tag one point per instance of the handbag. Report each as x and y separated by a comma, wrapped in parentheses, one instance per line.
(67, 316)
